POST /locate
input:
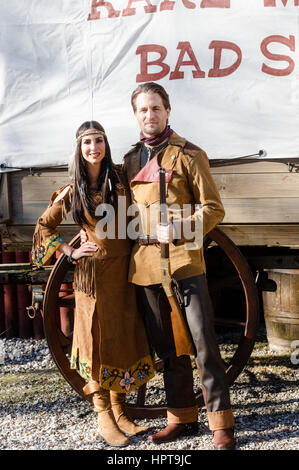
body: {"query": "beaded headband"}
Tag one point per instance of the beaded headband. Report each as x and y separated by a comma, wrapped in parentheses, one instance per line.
(90, 132)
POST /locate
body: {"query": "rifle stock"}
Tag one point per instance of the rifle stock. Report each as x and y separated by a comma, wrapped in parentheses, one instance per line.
(182, 339)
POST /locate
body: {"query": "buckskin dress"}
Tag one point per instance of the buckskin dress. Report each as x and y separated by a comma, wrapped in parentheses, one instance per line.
(109, 339)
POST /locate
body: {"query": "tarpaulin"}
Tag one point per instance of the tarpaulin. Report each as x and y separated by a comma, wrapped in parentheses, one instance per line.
(229, 66)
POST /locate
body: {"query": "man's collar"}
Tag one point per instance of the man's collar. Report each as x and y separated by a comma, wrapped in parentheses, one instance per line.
(176, 139)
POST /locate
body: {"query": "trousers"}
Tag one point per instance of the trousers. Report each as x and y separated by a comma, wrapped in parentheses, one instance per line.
(178, 375)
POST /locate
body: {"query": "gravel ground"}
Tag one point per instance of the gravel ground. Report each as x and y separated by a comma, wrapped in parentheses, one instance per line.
(39, 410)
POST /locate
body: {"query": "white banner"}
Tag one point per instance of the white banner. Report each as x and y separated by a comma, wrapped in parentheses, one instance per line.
(229, 66)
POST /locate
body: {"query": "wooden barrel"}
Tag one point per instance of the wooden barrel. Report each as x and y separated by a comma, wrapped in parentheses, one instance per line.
(281, 308)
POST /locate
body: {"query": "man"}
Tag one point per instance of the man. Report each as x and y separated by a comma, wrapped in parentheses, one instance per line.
(189, 181)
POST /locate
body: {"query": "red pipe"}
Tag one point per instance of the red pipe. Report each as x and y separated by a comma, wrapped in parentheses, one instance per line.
(24, 300)
(10, 301)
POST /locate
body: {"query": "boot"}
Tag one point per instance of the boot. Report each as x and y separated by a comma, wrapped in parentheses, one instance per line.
(108, 428)
(224, 439)
(122, 419)
(173, 431)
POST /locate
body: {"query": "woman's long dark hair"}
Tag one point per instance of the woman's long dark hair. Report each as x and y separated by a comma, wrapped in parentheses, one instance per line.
(82, 199)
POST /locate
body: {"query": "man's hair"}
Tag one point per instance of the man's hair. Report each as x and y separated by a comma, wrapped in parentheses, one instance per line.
(150, 87)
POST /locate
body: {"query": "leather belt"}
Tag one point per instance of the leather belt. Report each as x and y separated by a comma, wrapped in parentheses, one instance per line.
(147, 240)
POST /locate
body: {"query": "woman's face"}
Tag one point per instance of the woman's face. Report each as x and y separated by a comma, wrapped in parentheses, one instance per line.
(93, 148)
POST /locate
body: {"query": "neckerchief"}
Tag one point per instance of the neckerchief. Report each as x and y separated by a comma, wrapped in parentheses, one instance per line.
(156, 139)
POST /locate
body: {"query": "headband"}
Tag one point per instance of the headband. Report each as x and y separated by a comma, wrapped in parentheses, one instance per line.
(90, 132)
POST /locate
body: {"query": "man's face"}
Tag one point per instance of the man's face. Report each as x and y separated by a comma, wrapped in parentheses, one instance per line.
(151, 114)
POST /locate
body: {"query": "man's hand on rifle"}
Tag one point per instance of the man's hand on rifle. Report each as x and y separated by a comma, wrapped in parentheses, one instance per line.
(165, 233)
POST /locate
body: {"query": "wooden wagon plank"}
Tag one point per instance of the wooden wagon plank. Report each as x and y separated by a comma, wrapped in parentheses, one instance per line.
(268, 185)
(19, 237)
(261, 235)
(38, 190)
(40, 187)
(28, 212)
(261, 210)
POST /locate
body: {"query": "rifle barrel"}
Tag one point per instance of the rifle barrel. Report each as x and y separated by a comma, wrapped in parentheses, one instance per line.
(163, 211)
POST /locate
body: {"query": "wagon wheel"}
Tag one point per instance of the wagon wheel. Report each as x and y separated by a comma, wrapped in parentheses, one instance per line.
(60, 345)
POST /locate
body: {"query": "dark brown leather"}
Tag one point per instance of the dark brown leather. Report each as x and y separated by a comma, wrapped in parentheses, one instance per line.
(224, 439)
(147, 240)
(173, 431)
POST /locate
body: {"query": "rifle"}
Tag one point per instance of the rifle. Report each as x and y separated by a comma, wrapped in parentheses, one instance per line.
(182, 339)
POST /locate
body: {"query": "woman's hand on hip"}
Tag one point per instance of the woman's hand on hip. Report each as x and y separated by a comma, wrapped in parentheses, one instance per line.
(86, 249)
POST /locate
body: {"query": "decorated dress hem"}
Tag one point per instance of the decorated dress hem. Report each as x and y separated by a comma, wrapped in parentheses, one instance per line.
(116, 378)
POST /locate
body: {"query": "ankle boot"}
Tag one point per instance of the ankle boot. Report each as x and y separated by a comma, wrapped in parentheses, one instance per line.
(108, 428)
(122, 418)
(110, 431)
(173, 431)
(224, 439)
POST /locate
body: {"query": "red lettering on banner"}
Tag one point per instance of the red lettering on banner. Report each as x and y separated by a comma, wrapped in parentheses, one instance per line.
(272, 3)
(144, 76)
(166, 5)
(132, 11)
(188, 4)
(218, 47)
(95, 14)
(215, 4)
(186, 49)
(290, 43)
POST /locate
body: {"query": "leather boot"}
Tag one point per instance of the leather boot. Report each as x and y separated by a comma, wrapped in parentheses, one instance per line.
(108, 428)
(121, 416)
(173, 431)
(224, 439)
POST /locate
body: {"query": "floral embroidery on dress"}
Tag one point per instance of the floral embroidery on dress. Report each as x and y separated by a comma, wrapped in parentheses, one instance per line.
(129, 379)
(43, 253)
(113, 378)
(85, 370)
(126, 381)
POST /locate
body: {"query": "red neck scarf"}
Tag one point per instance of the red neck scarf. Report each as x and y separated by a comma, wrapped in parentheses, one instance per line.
(157, 139)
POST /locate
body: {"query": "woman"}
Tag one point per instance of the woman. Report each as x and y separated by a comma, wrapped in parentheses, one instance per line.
(109, 347)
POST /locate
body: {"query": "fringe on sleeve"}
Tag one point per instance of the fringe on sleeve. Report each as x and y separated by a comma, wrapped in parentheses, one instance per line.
(46, 238)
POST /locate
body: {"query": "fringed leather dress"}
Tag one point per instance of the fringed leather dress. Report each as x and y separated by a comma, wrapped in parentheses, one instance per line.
(109, 339)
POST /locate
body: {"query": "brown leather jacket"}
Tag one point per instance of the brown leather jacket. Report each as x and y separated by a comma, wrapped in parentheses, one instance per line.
(189, 181)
